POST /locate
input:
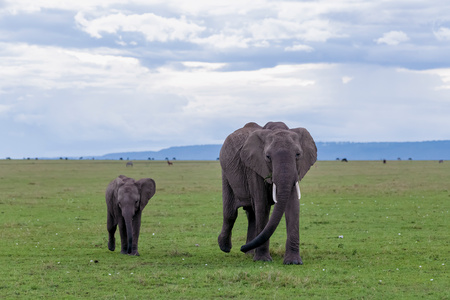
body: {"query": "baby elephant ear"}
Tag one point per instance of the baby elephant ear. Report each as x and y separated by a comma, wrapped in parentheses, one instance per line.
(147, 187)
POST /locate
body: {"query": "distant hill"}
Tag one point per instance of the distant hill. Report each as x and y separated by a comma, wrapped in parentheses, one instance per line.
(430, 150)
(199, 152)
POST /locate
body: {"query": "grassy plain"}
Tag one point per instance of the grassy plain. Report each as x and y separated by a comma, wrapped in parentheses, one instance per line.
(368, 231)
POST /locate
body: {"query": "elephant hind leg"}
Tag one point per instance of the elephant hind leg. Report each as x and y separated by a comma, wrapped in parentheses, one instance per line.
(230, 214)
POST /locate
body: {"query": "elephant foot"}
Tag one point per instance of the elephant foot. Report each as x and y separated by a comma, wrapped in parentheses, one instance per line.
(112, 245)
(224, 244)
(292, 260)
(135, 253)
(264, 257)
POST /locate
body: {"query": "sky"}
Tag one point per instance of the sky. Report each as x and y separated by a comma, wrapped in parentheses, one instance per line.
(91, 77)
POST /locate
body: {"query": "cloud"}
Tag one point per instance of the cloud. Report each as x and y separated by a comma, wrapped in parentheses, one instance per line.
(393, 38)
(300, 48)
(4, 108)
(153, 27)
(109, 74)
(346, 79)
(442, 34)
(443, 74)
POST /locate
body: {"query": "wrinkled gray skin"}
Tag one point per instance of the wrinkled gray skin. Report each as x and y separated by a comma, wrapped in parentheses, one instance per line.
(125, 200)
(252, 158)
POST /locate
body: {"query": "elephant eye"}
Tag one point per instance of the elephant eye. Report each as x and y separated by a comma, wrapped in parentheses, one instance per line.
(268, 158)
(297, 155)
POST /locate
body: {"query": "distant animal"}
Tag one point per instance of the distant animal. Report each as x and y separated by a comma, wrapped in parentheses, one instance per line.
(129, 164)
(169, 163)
(384, 161)
(125, 200)
(261, 167)
(441, 161)
(344, 160)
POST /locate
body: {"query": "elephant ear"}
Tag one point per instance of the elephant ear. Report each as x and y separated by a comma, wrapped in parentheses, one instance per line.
(252, 154)
(111, 190)
(309, 149)
(147, 188)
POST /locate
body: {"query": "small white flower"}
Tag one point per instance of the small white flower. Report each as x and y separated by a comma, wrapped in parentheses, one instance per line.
(131, 273)
(431, 279)
(420, 266)
(153, 233)
(56, 233)
(399, 233)
(91, 260)
(341, 236)
(206, 264)
(109, 274)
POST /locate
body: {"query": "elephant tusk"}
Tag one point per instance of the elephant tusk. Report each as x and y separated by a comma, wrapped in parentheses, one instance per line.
(297, 187)
(274, 193)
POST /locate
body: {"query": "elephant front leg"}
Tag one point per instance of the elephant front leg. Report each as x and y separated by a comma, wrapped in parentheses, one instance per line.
(123, 236)
(262, 253)
(261, 194)
(111, 227)
(230, 214)
(136, 229)
(292, 254)
(251, 229)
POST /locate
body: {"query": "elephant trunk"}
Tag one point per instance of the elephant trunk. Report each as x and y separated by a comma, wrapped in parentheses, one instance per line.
(129, 227)
(267, 232)
(284, 190)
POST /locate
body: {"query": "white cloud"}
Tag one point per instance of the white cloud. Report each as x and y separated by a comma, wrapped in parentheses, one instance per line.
(203, 65)
(223, 41)
(444, 75)
(442, 34)
(153, 27)
(346, 79)
(392, 38)
(4, 108)
(300, 48)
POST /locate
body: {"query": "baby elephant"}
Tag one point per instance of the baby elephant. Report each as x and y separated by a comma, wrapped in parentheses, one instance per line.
(125, 200)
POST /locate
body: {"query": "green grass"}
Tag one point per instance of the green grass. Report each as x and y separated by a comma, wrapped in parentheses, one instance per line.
(393, 221)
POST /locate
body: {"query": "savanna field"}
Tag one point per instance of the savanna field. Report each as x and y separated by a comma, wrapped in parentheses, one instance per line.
(368, 230)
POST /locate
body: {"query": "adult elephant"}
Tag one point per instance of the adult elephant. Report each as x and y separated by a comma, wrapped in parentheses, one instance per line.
(125, 200)
(261, 166)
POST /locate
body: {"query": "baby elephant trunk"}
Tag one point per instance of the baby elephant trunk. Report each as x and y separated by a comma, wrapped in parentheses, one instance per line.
(128, 224)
